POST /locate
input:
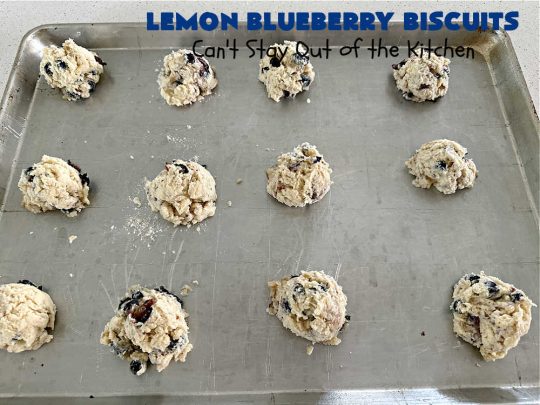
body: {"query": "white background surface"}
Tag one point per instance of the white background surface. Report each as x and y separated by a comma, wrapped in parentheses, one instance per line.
(18, 17)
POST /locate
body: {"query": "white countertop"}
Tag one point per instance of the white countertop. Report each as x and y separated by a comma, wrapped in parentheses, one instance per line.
(17, 18)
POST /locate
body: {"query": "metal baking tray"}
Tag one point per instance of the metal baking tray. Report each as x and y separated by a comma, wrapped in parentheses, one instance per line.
(397, 250)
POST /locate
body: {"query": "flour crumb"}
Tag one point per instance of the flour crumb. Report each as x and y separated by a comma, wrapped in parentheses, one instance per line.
(137, 201)
(72, 238)
(229, 203)
(185, 290)
(151, 157)
(188, 126)
(309, 349)
(239, 180)
(112, 227)
(198, 229)
(31, 233)
(308, 101)
(71, 275)
(195, 282)
(131, 157)
(478, 365)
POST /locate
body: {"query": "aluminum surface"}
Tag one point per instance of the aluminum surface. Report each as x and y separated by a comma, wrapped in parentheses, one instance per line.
(397, 250)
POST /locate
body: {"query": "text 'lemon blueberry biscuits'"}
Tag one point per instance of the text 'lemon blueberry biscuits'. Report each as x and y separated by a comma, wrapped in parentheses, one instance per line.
(26, 317)
(72, 69)
(311, 305)
(186, 78)
(422, 78)
(300, 177)
(442, 163)
(184, 193)
(53, 184)
(287, 72)
(149, 326)
(490, 314)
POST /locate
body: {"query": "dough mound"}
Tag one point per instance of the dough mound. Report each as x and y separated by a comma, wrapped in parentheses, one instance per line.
(185, 78)
(26, 317)
(311, 305)
(72, 69)
(442, 163)
(299, 177)
(54, 184)
(422, 78)
(184, 193)
(289, 77)
(490, 314)
(149, 325)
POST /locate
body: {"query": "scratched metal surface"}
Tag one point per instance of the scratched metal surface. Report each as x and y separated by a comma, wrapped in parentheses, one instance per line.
(396, 250)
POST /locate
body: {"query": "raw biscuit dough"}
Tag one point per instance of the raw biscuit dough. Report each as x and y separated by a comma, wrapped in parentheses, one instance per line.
(185, 78)
(72, 69)
(422, 78)
(26, 317)
(184, 193)
(299, 177)
(311, 305)
(289, 77)
(54, 184)
(490, 314)
(442, 163)
(149, 325)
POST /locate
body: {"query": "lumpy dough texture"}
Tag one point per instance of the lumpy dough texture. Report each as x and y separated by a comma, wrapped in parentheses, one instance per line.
(26, 317)
(149, 325)
(490, 314)
(185, 78)
(422, 78)
(184, 193)
(300, 177)
(442, 163)
(288, 76)
(311, 305)
(54, 184)
(72, 69)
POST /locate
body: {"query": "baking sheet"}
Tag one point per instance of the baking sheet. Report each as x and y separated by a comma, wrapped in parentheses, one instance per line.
(396, 250)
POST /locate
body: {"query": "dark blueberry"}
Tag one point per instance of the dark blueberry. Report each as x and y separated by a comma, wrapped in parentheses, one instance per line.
(410, 95)
(301, 59)
(137, 295)
(474, 320)
(441, 165)
(275, 62)
(323, 287)
(47, 69)
(190, 57)
(182, 167)
(135, 366)
(123, 301)
(143, 311)
(317, 159)
(265, 69)
(75, 166)
(446, 70)
(61, 64)
(205, 166)
(28, 282)
(294, 167)
(422, 333)
(286, 93)
(516, 296)
(28, 170)
(91, 85)
(396, 66)
(93, 72)
(306, 81)
(473, 278)
(295, 275)
(179, 81)
(205, 69)
(314, 196)
(455, 305)
(68, 210)
(347, 317)
(286, 306)
(130, 303)
(84, 179)
(298, 289)
(423, 86)
(492, 287)
(163, 290)
(172, 344)
(73, 96)
(99, 60)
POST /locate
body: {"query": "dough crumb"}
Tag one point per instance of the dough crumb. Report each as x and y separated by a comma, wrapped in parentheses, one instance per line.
(442, 163)
(229, 203)
(490, 314)
(72, 238)
(195, 282)
(131, 157)
(308, 101)
(309, 350)
(188, 126)
(137, 201)
(185, 290)
(238, 181)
